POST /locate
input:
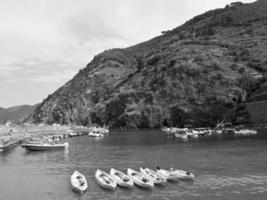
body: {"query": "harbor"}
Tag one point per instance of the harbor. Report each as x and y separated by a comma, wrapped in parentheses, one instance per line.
(224, 169)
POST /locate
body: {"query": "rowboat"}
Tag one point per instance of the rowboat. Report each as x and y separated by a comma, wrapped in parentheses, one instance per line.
(78, 182)
(105, 180)
(122, 179)
(153, 176)
(139, 179)
(184, 175)
(167, 174)
(45, 146)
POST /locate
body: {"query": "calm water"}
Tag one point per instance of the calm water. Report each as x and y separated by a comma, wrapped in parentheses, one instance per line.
(224, 169)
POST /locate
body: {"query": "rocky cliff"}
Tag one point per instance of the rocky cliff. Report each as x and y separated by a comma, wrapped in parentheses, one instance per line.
(197, 74)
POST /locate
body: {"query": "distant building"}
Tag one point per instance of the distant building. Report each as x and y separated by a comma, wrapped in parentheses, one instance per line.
(238, 3)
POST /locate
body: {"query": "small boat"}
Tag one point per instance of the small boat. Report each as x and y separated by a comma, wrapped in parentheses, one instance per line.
(245, 132)
(78, 182)
(45, 146)
(72, 133)
(184, 175)
(139, 179)
(95, 134)
(122, 179)
(167, 174)
(105, 180)
(152, 175)
(192, 134)
(182, 137)
(8, 144)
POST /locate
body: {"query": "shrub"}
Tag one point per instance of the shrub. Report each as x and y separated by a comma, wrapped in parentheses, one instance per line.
(233, 67)
(154, 60)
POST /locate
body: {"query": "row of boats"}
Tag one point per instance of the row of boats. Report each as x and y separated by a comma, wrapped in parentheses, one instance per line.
(186, 133)
(93, 132)
(145, 178)
(51, 142)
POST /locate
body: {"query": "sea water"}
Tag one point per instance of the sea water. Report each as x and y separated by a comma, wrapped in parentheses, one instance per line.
(224, 169)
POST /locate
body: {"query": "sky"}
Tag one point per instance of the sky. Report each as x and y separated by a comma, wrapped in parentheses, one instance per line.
(44, 43)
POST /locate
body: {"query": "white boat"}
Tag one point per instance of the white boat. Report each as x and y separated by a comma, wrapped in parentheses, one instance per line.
(183, 137)
(78, 182)
(105, 180)
(45, 146)
(121, 179)
(167, 174)
(95, 134)
(184, 175)
(192, 134)
(152, 175)
(139, 179)
(246, 132)
(72, 133)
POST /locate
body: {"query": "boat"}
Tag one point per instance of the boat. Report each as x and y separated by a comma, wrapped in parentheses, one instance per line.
(45, 146)
(183, 175)
(152, 175)
(8, 144)
(95, 134)
(105, 180)
(139, 179)
(121, 179)
(182, 137)
(167, 174)
(78, 182)
(72, 133)
(246, 132)
(192, 134)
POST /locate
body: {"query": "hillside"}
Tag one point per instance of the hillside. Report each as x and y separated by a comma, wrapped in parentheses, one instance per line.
(195, 75)
(16, 113)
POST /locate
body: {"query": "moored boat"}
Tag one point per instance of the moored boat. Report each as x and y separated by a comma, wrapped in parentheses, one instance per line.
(95, 134)
(139, 179)
(152, 175)
(182, 137)
(72, 133)
(184, 175)
(45, 146)
(9, 144)
(246, 132)
(167, 174)
(121, 179)
(105, 180)
(78, 182)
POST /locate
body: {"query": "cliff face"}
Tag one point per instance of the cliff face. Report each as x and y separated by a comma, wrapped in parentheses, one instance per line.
(197, 74)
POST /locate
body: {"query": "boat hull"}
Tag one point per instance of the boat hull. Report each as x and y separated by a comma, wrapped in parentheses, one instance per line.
(40, 147)
(138, 179)
(167, 175)
(183, 175)
(120, 179)
(9, 145)
(153, 176)
(76, 183)
(109, 183)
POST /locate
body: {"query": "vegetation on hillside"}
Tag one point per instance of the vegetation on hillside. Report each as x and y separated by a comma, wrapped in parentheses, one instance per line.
(195, 75)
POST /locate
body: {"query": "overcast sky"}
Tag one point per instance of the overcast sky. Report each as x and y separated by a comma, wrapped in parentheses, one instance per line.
(44, 43)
